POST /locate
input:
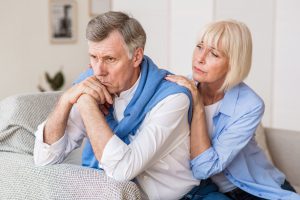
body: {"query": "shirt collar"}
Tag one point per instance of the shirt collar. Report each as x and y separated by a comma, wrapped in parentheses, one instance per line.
(229, 101)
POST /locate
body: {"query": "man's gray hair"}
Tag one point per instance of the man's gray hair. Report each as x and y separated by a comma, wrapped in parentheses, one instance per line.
(101, 26)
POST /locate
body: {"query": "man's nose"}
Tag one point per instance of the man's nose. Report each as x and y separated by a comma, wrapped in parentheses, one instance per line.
(99, 69)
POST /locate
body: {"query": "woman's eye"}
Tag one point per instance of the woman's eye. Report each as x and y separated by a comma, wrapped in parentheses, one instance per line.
(199, 46)
(214, 54)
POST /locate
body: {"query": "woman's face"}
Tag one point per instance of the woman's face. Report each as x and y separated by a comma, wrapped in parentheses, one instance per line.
(210, 65)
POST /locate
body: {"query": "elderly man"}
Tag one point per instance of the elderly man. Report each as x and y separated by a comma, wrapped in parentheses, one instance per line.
(135, 122)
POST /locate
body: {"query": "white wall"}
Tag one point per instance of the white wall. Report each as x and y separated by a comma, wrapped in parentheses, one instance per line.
(154, 16)
(286, 107)
(172, 27)
(186, 20)
(25, 50)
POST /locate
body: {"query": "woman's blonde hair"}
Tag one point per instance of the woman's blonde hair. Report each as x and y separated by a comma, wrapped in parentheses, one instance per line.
(233, 38)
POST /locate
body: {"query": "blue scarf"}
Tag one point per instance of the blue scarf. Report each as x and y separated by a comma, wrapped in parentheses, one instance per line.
(152, 89)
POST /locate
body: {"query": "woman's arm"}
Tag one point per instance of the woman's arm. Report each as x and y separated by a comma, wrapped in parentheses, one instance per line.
(200, 140)
(228, 142)
(210, 157)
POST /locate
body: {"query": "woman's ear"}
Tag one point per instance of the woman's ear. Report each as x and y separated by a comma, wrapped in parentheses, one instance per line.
(137, 57)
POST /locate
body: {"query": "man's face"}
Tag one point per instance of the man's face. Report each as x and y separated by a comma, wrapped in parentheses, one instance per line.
(112, 65)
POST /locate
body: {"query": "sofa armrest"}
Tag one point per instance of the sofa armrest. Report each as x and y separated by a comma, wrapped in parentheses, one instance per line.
(19, 117)
(21, 179)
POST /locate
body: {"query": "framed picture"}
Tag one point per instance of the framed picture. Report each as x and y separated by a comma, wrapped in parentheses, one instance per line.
(62, 21)
(97, 7)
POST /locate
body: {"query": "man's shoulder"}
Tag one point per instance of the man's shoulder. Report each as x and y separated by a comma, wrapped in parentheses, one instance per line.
(168, 88)
(87, 73)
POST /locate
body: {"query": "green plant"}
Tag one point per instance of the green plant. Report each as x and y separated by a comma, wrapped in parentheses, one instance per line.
(55, 82)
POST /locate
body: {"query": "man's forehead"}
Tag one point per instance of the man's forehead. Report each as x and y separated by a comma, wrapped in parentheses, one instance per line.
(113, 37)
(114, 40)
(105, 48)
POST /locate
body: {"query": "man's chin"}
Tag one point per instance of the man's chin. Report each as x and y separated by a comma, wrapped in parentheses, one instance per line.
(111, 91)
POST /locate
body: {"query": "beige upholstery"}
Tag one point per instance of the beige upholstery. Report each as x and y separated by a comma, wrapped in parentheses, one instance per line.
(283, 148)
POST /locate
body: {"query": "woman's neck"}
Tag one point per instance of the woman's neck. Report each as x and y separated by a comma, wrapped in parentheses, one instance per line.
(210, 94)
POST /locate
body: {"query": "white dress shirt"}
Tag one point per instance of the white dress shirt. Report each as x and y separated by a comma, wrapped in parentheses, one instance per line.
(157, 157)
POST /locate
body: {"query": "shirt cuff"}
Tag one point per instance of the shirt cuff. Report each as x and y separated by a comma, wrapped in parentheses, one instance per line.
(56, 148)
(202, 164)
(113, 152)
(204, 157)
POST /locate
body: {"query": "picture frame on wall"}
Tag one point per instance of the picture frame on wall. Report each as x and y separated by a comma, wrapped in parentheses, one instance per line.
(62, 21)
(97, 7)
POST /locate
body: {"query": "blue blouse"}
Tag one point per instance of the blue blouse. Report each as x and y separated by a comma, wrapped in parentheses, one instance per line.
(234, 150)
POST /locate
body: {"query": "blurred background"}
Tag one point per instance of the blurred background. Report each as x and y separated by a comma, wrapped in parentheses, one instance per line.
(27, 49)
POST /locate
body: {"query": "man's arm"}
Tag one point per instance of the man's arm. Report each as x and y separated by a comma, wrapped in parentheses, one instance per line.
(94, 121)
(45, 154)
(163, 129)
(53, 131)
(57, 121)
(51, 141)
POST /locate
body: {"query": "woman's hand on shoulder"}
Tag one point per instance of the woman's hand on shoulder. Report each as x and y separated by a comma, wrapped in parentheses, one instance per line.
(189, 84)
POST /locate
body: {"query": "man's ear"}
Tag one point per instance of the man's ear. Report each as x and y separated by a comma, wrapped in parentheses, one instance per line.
(137, 57)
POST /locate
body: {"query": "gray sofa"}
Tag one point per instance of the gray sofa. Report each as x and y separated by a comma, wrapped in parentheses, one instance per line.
(283, 149)
(20, 179)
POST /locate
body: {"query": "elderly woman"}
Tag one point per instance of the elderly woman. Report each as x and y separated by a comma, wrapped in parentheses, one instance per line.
(226, 113)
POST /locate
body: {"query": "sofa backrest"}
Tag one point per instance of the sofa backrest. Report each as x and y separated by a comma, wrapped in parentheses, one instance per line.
(261, 139)
(284, 148)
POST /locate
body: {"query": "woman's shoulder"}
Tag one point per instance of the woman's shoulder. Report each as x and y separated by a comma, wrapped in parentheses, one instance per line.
(244, 99)
(246, 93)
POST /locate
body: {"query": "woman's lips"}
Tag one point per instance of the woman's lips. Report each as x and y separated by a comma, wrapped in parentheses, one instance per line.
(198, 70)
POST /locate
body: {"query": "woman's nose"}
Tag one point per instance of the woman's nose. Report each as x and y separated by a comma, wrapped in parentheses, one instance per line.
(202, 56)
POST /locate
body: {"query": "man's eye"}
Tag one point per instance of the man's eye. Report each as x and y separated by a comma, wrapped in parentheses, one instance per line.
(110, 59)
(92, 56)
